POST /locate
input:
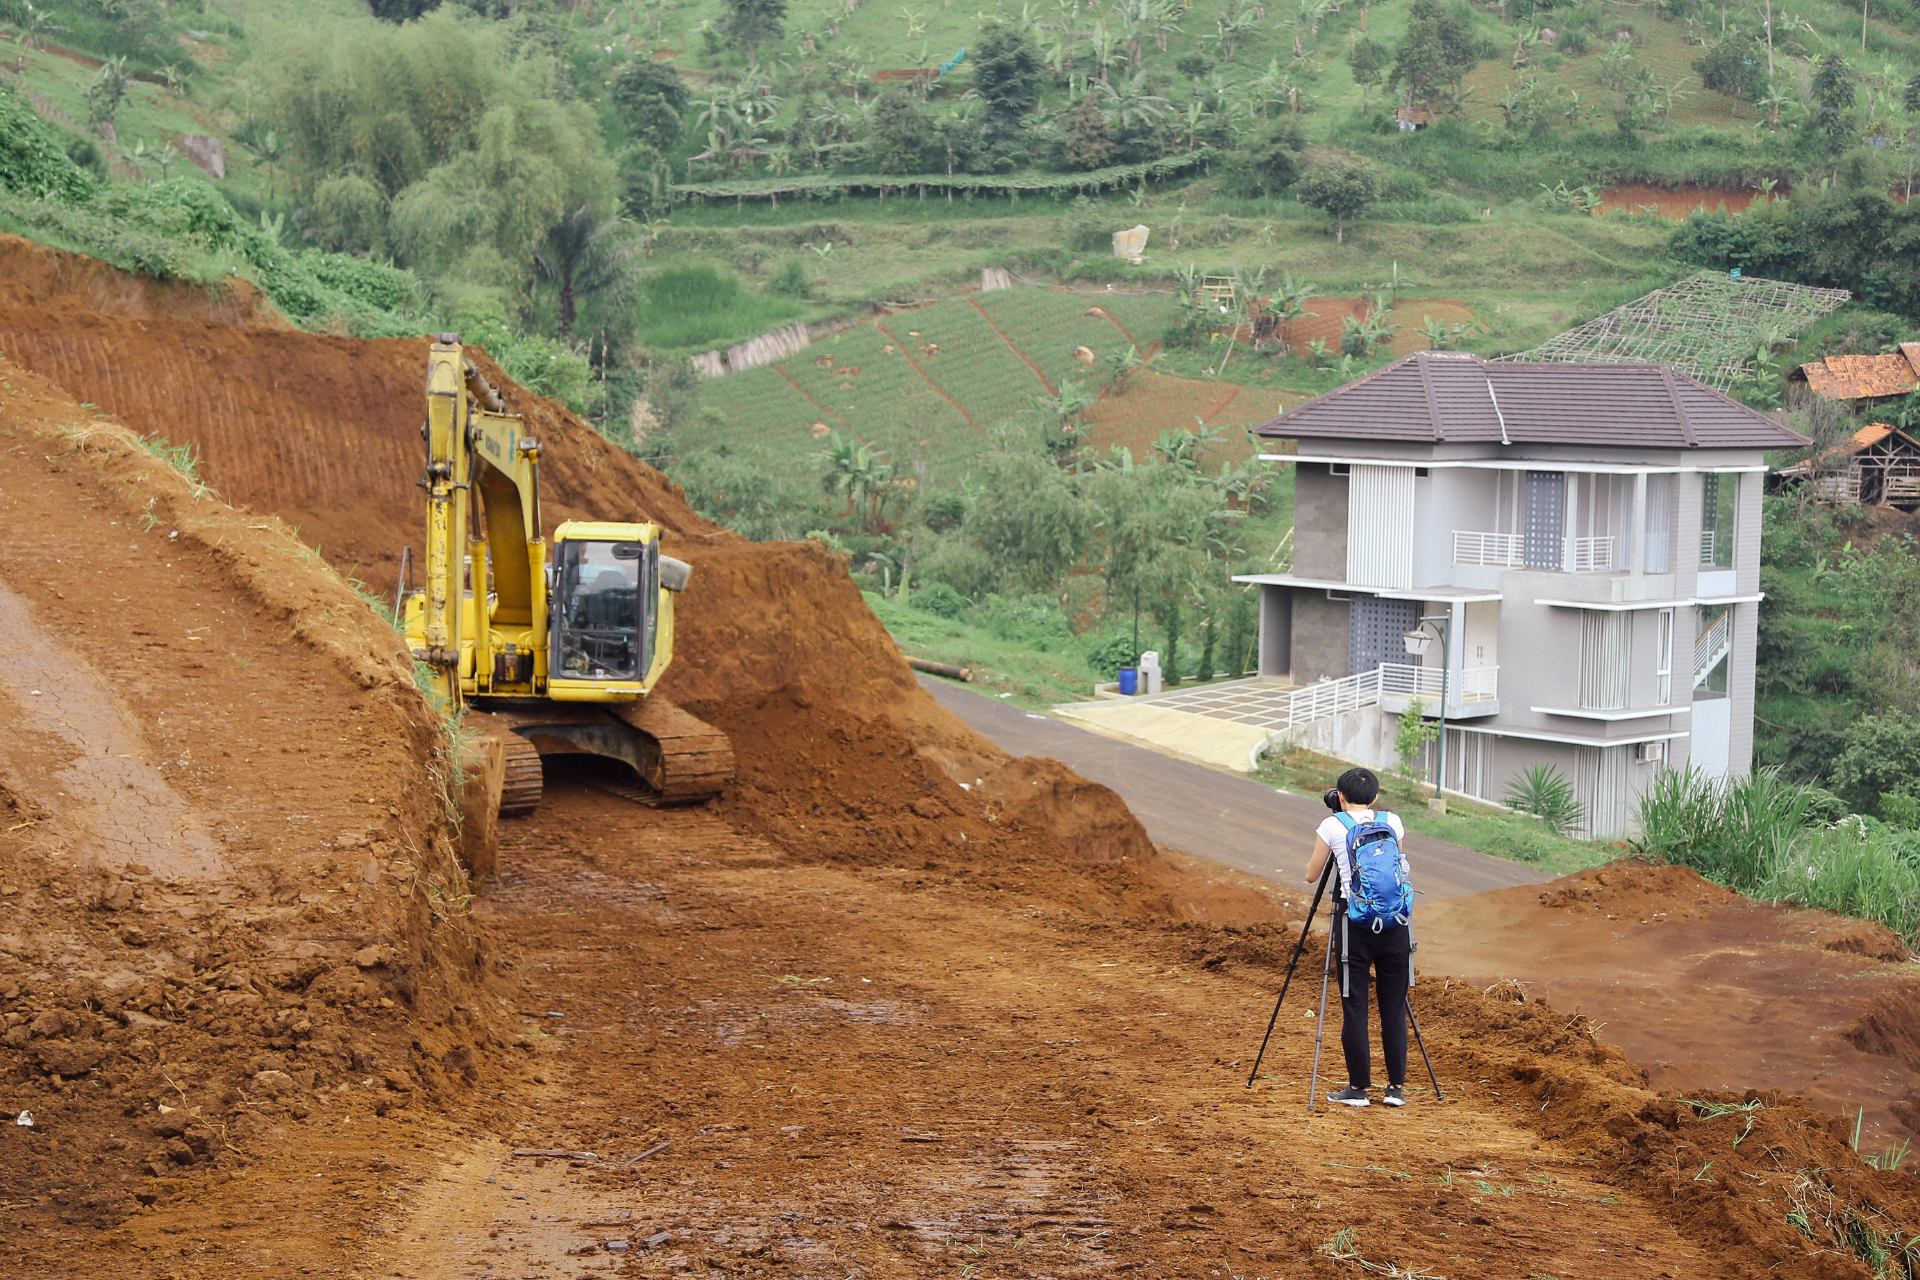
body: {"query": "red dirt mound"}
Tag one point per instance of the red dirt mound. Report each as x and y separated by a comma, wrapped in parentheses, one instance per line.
(324, 432)
(1092, 822)
(833, 788)
(1677, 202)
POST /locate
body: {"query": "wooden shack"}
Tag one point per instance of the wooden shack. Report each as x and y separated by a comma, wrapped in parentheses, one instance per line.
(1879, 466)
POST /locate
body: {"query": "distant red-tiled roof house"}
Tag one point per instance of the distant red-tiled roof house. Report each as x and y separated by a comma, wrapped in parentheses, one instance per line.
(1880, 465)
(1863, 379)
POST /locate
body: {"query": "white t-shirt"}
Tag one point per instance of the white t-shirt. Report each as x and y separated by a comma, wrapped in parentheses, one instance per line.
(1334, 832)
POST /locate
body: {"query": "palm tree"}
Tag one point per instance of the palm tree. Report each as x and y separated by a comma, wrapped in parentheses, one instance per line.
(1133, 105)
(858, 474)
(584, 256)
(35, 26)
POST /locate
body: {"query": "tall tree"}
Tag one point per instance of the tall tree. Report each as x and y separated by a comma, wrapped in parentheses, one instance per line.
(1439, 49)
(584, 256)
(1006, 72)
(1369, 63)
(1833, 96)
(900, 135)
(652, 99)
(1342, 185)
(1089, 139)
(752, 23)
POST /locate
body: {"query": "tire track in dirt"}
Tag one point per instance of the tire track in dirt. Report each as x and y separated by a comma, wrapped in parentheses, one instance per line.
(1013, 347)
(892, 1072)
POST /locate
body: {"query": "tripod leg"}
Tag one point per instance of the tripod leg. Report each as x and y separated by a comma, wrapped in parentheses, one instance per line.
(1297, 949)
(1415, 1024)
(1326, 974)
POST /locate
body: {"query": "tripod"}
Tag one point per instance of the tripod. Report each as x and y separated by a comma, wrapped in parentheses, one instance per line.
(1326, 973)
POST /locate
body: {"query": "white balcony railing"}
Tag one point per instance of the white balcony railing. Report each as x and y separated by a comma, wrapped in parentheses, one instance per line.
(1503, 549)
(1392, 679)
(1507, 551)
(1474, 684)
(1593, 555)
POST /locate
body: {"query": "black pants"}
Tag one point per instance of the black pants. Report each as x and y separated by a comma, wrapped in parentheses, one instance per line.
(1389, 954)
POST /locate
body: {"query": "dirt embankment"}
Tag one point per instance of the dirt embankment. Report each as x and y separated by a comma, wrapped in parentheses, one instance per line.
(226, 881)
(1707, 989)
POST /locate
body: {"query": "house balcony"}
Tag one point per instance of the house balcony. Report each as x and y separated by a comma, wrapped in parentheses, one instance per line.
(1472, 692)
(1509, 551)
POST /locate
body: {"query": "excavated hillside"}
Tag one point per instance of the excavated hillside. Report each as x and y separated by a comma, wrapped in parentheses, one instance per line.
(854, 1018)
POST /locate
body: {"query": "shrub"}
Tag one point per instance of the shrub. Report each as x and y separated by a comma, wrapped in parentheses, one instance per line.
(1880, 758)
(1035, 621)
(1107, 657)
(1544, 792)
(790, 281)
(32, 161)
(940, 600)
(943, 510)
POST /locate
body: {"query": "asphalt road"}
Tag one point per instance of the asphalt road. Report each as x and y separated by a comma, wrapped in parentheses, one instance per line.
(1208, 812)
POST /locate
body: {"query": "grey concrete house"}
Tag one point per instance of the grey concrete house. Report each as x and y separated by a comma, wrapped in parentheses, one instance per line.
(1586, 535)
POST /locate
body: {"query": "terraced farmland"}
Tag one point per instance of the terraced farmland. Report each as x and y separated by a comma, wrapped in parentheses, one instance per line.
(927, 386)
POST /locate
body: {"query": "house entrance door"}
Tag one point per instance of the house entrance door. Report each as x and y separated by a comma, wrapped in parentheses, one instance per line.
(1543, 520)
(1374, 630)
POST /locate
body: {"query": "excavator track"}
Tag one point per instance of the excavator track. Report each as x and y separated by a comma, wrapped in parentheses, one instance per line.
(676, 757)
(525, 781)
(694, 760)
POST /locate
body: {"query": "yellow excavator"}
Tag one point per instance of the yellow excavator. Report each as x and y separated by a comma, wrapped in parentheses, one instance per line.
(553, 653)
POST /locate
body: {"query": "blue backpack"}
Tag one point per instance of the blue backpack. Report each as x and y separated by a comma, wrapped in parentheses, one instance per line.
(1382, 893)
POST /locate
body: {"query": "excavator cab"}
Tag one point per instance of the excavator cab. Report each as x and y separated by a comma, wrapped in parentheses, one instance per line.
(607, 609)
(602, 627)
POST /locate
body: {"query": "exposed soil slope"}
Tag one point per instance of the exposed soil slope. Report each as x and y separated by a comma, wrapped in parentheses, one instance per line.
(225, 877)
(1706, 989)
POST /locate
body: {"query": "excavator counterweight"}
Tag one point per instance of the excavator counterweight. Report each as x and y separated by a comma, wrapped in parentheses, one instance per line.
(553, 646)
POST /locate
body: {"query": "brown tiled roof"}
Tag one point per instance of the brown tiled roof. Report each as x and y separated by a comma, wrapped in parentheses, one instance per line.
(1864, 377)
(1434, 396)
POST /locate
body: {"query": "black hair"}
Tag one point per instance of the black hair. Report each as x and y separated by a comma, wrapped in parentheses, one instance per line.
(1359, 786)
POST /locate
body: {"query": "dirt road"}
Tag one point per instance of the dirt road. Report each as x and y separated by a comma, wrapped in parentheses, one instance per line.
(891, 1072)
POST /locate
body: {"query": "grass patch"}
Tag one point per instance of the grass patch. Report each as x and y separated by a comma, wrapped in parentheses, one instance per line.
(694, 308)
(1779, 842)
(1513, 837)
(1029, 677)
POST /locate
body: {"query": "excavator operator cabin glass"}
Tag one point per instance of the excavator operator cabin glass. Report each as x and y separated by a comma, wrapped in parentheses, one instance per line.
(601, 630)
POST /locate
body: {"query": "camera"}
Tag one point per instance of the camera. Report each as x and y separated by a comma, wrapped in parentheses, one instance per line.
(1331, 798)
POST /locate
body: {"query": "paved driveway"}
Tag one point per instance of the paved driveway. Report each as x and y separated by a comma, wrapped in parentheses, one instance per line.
(1208, 812)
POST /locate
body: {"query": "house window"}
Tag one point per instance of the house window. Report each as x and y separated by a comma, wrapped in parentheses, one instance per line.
(1340, 469)
(1663, 671)
(1719, 495)
(1544, 518)
(1659, 521)
(1712, 652)
(1606, 648)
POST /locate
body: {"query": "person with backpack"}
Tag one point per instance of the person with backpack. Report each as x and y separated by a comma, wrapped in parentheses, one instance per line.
(1372, 930)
